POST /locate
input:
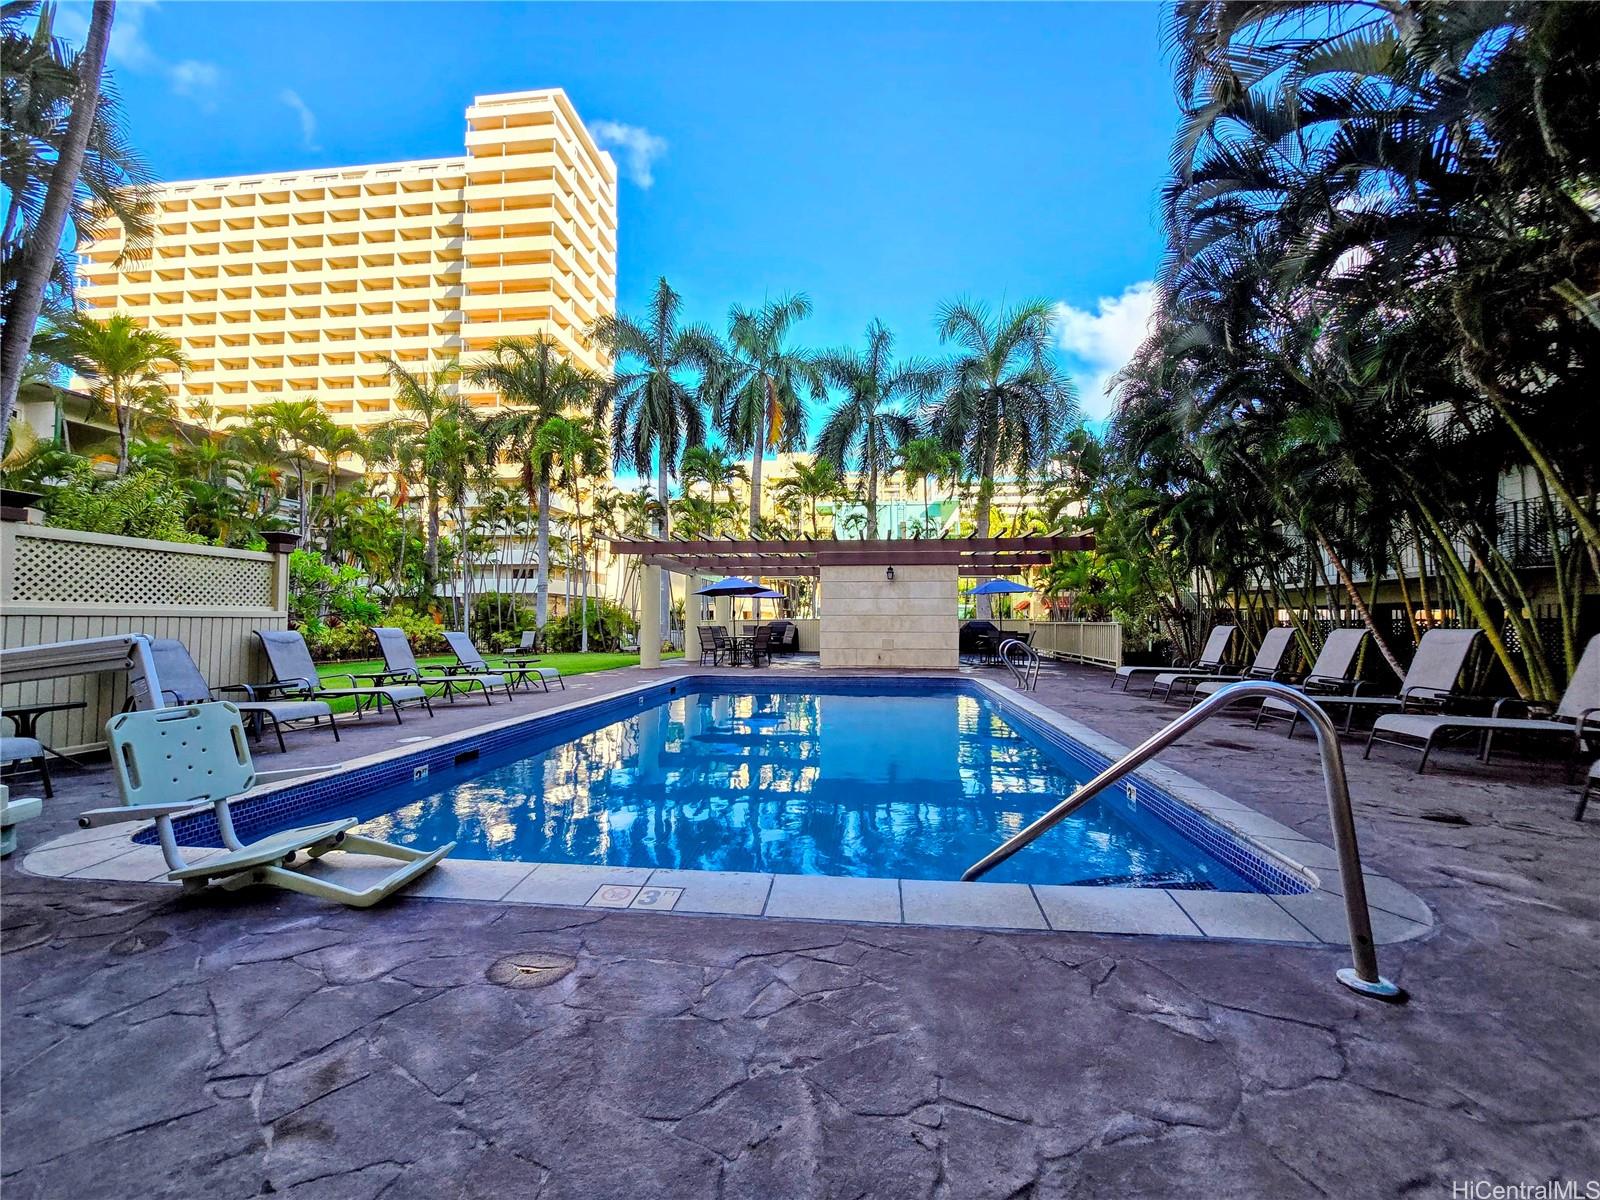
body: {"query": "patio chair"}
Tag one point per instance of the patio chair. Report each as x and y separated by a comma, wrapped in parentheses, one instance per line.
(1577, 717)
(400, 663)
(761, 647)
(1332, 674)
(21, 756)
(714, 642)
(785, 637)
(175, 761)
(295, 676)
(1269, 664)
(1213, 659)
(520, 671)
(12, 814)
(1430, 680)
(183, 683)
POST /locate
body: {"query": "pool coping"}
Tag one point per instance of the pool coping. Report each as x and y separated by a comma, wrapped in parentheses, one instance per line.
(1315, 917)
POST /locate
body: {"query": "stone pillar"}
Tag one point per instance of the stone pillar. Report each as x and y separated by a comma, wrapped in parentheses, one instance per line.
(650, 619)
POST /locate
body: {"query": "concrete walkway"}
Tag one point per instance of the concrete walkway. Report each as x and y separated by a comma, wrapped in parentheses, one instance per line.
(254, 1043)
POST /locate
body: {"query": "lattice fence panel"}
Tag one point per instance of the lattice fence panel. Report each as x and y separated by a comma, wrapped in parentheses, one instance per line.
(52, 571)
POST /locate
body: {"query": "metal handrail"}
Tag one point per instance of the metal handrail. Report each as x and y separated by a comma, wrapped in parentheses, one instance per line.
(1363, 977)
(1028, 673)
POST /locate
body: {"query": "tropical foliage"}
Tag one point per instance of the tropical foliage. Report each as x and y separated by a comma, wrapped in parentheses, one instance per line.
(1378, 306)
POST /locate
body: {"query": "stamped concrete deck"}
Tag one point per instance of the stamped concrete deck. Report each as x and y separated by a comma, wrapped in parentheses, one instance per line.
(255, 1043)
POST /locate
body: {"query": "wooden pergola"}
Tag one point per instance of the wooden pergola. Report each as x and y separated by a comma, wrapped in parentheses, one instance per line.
(803, 557)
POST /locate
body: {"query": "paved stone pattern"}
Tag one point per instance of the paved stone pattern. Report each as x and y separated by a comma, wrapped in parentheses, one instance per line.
(251, 1043)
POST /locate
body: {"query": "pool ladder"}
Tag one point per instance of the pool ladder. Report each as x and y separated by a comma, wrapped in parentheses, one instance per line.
(1362, 976)
(1023, 660)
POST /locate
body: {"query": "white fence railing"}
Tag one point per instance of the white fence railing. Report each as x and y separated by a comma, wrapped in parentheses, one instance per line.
(1097, 643)
(59, 585)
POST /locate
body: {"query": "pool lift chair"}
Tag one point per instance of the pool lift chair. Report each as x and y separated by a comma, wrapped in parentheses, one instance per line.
(179, 761)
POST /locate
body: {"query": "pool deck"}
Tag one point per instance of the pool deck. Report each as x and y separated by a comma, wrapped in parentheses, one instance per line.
(242, 1043)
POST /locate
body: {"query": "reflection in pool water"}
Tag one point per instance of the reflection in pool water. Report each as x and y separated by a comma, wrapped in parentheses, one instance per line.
(917, 786)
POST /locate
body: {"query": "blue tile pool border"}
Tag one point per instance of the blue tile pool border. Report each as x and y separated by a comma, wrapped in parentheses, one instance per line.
(283, 805)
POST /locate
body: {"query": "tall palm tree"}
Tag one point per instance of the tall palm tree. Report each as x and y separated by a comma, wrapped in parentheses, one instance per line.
(538, 384)
(653, 395)
(297, 426)
(761, 386)
(713, 468)
(426, 399)
(808, 483)
(571, 444)
(871, 423)
(124, 363)
(1006, 403)
(39, 257)
(922, 459)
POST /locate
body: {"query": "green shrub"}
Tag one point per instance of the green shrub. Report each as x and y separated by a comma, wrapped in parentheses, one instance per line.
(340, 643)
(321, 593)
(425, 634)
(607, 624)
(141, 504)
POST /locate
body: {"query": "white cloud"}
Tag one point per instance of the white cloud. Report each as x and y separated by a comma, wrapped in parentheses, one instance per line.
(1100, 342)
(130, 50)
(308, 119)
(638, 147)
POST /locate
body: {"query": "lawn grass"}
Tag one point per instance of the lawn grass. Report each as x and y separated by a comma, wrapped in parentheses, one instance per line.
(567, 664)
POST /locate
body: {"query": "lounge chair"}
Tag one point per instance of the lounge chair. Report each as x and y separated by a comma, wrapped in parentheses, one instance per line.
(1430, 681)
(24, 755)
(1576, 718)
(400, 664)
(12, 814)
(1591, 788)
(520, 670)
(183, 683)
(1213, 659)
(1333, 674)
(1268, 664)
(175, 761)
(295, 676)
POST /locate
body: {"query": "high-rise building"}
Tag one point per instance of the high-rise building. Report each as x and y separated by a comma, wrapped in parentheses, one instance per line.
(301, 284)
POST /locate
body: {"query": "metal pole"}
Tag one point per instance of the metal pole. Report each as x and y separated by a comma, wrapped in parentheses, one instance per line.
(1362, 976)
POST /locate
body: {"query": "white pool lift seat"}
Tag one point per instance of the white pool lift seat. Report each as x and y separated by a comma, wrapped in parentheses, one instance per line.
(179, 761)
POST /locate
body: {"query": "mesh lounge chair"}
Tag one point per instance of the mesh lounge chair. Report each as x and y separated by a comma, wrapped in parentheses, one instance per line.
(1268, 664)
(173, 761)
(399, 663)
(182, 683)
(295, 675)
(519, 670)
(1577, 717)
(1430, 680)
(1213, 659)
(1333, 674)
(1591, 788)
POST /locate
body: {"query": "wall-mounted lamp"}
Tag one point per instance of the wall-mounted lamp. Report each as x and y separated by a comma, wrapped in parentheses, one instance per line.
(889, 574)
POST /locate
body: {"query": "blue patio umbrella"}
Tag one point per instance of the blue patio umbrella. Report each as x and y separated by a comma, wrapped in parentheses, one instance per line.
(998, 587)
(732, 586)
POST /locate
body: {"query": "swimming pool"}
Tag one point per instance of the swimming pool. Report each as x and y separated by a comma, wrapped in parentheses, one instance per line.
(857, 777)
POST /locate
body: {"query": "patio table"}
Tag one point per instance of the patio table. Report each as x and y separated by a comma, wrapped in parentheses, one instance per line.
(26, 719)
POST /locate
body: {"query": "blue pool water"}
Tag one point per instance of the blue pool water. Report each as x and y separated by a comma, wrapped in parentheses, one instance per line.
(918, 783)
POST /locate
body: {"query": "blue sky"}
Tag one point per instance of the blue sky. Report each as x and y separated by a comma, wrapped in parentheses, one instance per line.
(882, 159)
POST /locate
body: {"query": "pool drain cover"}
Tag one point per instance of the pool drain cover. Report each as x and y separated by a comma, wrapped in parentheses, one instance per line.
(530, 970)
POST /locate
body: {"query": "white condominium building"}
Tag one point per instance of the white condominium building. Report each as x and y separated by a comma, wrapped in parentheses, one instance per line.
(301, 284)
